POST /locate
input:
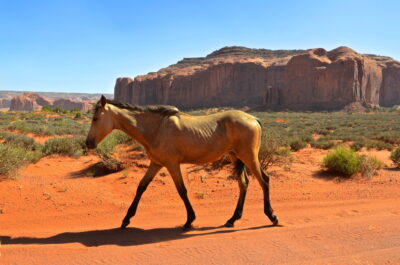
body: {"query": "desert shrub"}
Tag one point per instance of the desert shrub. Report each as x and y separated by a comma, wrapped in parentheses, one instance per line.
(297, 144)
(107, 147)
(395, 156)
(342, 160)
(20, 141)
(389, 137)
(378, 145)
(78, 115)
(53, 126)
(307, 138)
(322, 143)
(347, 162)
(369, 165)
(54, 110)
(13, 157)
(272, 151)
(69, 146)
(357, 145)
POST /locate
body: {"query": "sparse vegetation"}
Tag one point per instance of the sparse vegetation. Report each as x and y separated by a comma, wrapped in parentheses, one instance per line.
(273, 151)
(68, 146)
(369, 165)
(13, 157)
(283, 132)
(107, 147)
(395, 156)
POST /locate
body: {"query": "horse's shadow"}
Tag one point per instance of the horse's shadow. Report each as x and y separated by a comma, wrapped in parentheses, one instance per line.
(116, 236)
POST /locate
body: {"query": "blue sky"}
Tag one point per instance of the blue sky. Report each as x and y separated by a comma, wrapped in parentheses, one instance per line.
(83, 46)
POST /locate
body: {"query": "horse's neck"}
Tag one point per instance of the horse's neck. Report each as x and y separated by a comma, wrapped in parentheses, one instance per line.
(141, 126)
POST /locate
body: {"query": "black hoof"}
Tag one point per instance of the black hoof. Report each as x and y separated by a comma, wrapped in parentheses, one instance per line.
(275, 220)
(186, 227)
(228, 224)
(124, 225)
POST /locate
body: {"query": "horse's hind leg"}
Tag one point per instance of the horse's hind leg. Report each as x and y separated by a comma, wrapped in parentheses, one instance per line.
(254, 165)
(176, 174)
(243, 181)
(148, 177)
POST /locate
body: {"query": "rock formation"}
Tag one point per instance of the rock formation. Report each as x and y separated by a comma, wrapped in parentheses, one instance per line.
(69, 104)
(282, 79)
(28, 102)
(5, 102)
(32, 102)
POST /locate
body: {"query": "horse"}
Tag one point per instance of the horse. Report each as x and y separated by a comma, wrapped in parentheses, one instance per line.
(171, 138)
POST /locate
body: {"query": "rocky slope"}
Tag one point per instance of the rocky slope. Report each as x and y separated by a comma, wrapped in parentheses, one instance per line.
(280, 79)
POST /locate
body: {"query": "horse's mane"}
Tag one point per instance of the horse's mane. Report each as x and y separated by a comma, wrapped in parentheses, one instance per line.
(163, 110)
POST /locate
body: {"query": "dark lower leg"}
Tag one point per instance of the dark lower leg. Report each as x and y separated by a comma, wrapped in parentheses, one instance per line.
(176, 174)
(189, 209)
(243, 182)
(148, 177)
(267, 204)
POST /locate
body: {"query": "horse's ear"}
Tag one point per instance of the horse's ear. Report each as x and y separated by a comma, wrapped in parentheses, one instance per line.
(103, 100)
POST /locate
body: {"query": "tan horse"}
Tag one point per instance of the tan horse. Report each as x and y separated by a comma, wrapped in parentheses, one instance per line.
(171, 138)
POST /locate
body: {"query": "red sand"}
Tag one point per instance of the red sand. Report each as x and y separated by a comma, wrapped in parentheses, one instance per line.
(55, 214)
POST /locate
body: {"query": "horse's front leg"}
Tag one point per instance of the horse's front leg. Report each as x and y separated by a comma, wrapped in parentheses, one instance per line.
(176, 174)
(148, 177)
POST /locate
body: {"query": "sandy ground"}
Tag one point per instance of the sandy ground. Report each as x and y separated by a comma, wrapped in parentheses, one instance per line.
(56, 212)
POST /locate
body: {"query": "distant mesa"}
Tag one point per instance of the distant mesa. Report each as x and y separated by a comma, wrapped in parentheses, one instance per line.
(33, 102)
(313, 79)
(28, 102)
(5, 102)
(69, 104)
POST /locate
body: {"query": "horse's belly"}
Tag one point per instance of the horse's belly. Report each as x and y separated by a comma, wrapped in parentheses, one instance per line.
(200, 156)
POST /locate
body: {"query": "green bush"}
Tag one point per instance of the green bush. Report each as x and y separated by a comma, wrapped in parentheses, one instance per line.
(69, 146)
(13, 157)
(52, 109)
(378, 145)
(395, 157)
(297, 144)
(347, 162)
(322, 143)
(342, 160)
(19, 140)
(107, 146)
(389, 137)
(357, 145)
(78, 115)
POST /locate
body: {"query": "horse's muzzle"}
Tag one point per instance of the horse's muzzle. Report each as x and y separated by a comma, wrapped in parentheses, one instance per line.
(90, 143)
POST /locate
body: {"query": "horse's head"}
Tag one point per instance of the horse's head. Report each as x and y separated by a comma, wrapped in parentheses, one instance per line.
(102, 124)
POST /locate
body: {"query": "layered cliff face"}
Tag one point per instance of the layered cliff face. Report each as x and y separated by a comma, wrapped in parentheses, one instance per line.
(294, 79)
(390, 93)
(330, 80)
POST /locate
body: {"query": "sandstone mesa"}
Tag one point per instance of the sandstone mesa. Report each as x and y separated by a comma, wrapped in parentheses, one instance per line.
(313, 79)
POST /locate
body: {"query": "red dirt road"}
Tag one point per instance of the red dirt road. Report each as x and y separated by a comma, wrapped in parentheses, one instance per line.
(57, 214)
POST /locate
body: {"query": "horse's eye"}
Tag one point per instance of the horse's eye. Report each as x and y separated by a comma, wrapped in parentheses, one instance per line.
(95, 119)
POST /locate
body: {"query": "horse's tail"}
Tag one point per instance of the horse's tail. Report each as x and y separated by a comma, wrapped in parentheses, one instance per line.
(238, 168)
(259, 122)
